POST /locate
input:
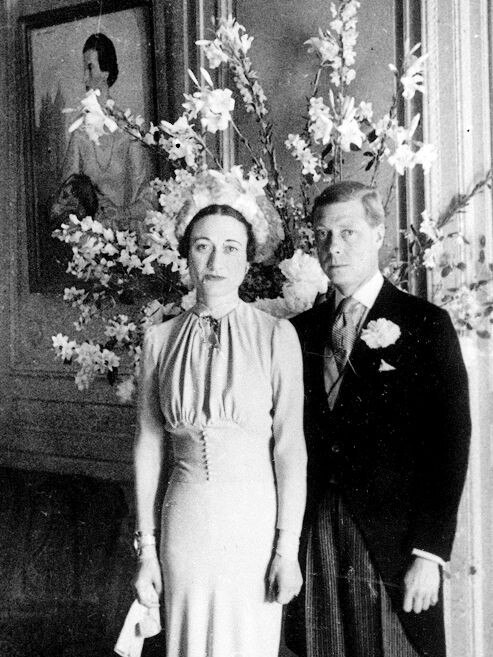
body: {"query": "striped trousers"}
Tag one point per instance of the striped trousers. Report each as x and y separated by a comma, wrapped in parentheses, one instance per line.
(347, 612)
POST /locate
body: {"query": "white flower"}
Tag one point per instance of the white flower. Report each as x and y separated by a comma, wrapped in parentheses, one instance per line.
(304, 267)
(380, 333)
(402, 158)
(233, 38)
(65, 348)
(429, 228)
(125, 390)
(299, 149)
(73, 295)
(213, 51)
(364, 112)
(216, 109)
(465, 308)
(325, 48)
(310, 164)
(349, 129)
(120, 328)
(432, 255)
(413, 80)
(296, 144)
(94, 120)
(350, 134)
(425, 156)
(110, 359)
(321, 122)
(305, 279)
(189, 300)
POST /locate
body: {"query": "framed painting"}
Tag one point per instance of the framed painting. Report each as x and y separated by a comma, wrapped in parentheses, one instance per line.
(56, 78)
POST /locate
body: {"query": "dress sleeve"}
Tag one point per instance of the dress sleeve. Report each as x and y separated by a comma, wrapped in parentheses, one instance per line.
(149, 414)
(72, 159)
(289, 441)
(149, 438)
(140, 196)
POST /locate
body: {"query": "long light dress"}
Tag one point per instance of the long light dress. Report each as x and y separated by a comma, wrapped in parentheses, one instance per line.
(232, 413)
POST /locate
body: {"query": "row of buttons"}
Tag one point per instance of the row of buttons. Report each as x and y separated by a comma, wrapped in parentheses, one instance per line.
(206, 455)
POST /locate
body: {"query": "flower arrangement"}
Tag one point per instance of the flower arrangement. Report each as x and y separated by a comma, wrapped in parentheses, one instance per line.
(141, 272)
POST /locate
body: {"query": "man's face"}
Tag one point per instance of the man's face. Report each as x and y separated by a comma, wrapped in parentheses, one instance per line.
(347, 244)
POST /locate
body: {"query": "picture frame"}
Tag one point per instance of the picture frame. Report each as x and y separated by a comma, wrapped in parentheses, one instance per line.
(52, 84)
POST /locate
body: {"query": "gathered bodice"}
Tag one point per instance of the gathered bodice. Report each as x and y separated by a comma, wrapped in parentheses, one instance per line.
(202, 382)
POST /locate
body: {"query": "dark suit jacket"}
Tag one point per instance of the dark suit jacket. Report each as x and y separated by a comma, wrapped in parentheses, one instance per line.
(396, 441)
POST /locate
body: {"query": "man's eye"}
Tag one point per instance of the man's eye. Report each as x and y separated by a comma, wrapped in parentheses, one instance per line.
(347, 233)
(200, 246)
(231, 249)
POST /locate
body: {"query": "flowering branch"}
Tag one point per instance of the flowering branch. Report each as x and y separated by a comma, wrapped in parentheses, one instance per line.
(141, 271)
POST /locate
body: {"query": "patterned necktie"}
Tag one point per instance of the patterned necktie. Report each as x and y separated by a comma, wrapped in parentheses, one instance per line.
(344, 330)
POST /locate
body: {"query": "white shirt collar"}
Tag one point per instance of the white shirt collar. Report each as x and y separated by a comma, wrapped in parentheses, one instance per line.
(366, 293)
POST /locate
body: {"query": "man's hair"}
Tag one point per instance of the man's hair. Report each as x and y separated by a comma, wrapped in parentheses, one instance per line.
(106, 55)
(350, 190)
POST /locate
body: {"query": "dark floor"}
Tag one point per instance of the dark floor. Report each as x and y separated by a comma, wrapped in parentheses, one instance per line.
(66, 562)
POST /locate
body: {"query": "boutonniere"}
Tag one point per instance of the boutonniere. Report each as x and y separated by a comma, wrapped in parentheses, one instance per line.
(380, 333)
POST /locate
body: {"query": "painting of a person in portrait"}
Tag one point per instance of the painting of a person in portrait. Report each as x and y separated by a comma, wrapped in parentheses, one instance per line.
(110, 53)
(117, 164)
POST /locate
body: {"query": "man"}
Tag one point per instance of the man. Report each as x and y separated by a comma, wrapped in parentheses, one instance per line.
(387, 426)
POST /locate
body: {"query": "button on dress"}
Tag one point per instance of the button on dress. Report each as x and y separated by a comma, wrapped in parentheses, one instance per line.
(230, 399)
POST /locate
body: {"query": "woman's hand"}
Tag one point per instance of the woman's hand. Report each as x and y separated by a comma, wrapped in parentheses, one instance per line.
(284, 579)
(148, 582)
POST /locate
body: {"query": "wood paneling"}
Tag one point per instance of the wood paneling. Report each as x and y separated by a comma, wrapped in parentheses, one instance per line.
(45, 422)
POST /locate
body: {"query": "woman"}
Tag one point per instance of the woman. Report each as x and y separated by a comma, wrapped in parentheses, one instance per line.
(222, 382)
(117, 165)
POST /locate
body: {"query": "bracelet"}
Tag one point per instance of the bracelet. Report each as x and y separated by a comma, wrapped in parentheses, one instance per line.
(142, 540)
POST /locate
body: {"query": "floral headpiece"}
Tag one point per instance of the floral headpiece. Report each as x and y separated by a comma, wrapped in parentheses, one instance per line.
(246, 195)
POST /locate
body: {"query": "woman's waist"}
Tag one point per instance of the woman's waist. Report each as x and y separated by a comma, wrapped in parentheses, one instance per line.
(220, 453)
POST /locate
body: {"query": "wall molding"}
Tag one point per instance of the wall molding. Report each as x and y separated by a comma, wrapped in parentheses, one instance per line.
(457, 119)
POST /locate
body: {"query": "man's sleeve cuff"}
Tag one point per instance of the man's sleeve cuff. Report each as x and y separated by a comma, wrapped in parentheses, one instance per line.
(429, 556)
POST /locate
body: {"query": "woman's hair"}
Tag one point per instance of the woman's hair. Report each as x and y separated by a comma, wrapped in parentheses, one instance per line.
(106, 54)
(226, 211)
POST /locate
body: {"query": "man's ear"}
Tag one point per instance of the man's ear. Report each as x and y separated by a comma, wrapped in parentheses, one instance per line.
(380, 233)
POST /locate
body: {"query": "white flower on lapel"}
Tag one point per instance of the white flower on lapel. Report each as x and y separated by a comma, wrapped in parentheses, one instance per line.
(385, 367)
(380, 333)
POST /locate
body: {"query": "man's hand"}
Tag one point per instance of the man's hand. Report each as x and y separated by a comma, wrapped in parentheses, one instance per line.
(284, 580)
(421, 584)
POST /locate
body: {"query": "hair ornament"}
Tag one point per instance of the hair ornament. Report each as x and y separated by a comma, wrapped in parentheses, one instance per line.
(246, 195)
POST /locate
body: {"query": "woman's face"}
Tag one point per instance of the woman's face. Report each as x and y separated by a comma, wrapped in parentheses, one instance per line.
(217, 258)
(94, 77)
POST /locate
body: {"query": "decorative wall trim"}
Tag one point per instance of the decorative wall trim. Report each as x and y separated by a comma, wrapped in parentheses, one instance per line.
(457, 119)
(32, 385)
